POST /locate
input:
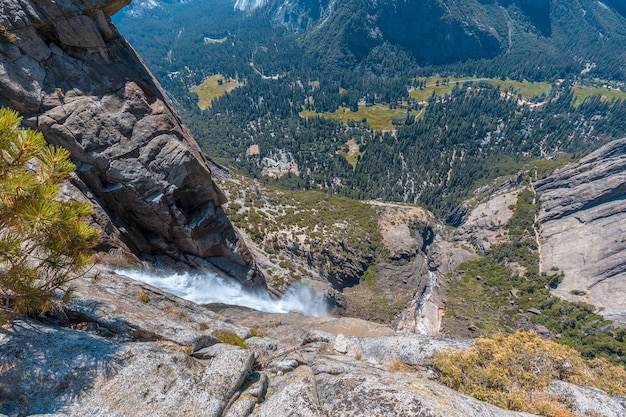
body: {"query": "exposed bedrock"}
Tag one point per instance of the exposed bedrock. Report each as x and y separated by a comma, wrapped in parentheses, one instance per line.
(583, 216)
(74, 78)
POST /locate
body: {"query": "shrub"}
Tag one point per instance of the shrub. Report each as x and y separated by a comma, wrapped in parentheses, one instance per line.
(230, 338)
(514, 371)
(6, 36)
(142, 295)
(44, 242)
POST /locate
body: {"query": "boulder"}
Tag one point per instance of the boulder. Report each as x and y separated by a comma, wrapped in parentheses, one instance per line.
(589, 401)
(361, 391)
(47, 369)
(137, 311)
(292, 395)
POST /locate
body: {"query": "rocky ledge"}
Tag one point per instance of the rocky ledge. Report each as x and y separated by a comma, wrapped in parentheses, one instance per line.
(73, 77)
(129, 349)
(583, 229)
(124, 355)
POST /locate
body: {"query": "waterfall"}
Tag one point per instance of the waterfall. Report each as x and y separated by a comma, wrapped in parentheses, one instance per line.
(424, 323)
(206, 288)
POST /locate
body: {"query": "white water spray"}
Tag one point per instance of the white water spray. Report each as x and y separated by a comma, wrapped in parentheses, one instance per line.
(209, 287)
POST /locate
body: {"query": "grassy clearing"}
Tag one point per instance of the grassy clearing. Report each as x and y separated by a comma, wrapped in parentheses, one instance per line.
(583, 92)
(352, 153)
(351, 158)
(527, 89)
(439, 91)
(377, 117)
(211, 88)
(435, 85)
(438, 85)
(209, 41)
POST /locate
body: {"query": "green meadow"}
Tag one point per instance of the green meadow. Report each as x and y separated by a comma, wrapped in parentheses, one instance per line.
(435, 85)
(377, 117)
(211, 88)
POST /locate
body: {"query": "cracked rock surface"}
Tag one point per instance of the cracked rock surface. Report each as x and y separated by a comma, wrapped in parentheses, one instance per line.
(75, 78)
(583, 229)
(119, 354)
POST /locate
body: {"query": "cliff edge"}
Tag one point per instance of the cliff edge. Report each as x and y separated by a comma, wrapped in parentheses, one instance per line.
(76, 79)
(583, 229)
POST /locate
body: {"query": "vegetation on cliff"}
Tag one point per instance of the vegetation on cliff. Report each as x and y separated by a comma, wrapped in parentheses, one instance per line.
(436, 137)
(6, 36)
(44, 241)
(514, 372)
(306, 233)
(503, 289)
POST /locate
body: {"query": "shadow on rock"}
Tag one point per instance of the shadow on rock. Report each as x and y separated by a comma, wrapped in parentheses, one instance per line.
(43, 368)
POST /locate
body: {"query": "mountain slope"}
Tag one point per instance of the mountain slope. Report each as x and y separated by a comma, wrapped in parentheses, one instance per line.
(583, 219)
(357, 61)
(435, 32)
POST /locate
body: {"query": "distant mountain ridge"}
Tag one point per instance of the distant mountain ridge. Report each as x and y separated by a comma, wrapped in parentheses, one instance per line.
(551, 38)
(441, 32)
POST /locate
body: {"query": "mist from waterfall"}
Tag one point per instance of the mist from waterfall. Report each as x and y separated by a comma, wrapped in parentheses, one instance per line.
(206, 288)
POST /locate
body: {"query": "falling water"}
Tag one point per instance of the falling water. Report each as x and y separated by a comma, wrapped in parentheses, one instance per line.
(422, 324)
(209, 287)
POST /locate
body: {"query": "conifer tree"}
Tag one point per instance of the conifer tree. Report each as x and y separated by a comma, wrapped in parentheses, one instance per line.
(44, 242)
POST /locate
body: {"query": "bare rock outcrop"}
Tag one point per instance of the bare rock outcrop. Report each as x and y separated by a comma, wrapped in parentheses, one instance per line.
(75, 373)
(124, 354)
(73, 77)
(583, 231)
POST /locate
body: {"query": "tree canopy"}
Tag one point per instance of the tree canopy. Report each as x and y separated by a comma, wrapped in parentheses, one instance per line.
(44, 242)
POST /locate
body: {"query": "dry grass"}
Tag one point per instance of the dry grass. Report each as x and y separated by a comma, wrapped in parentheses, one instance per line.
(172, 310)
(6, 36)
(377, 117)
(514, 371)
(211, 88)
(396, 365)
(583, 92)
(527, 89)
(142, 295)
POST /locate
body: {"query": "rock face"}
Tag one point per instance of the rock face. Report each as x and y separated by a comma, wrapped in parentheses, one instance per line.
(134, 356)
(583, 216)
(424, 28)
(129, 349)
(588, 401)
(74, 78)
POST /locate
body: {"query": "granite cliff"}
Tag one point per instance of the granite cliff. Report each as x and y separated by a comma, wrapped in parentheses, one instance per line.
(121, 348)
(583, 229)
(580, 227)
(74, 78)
